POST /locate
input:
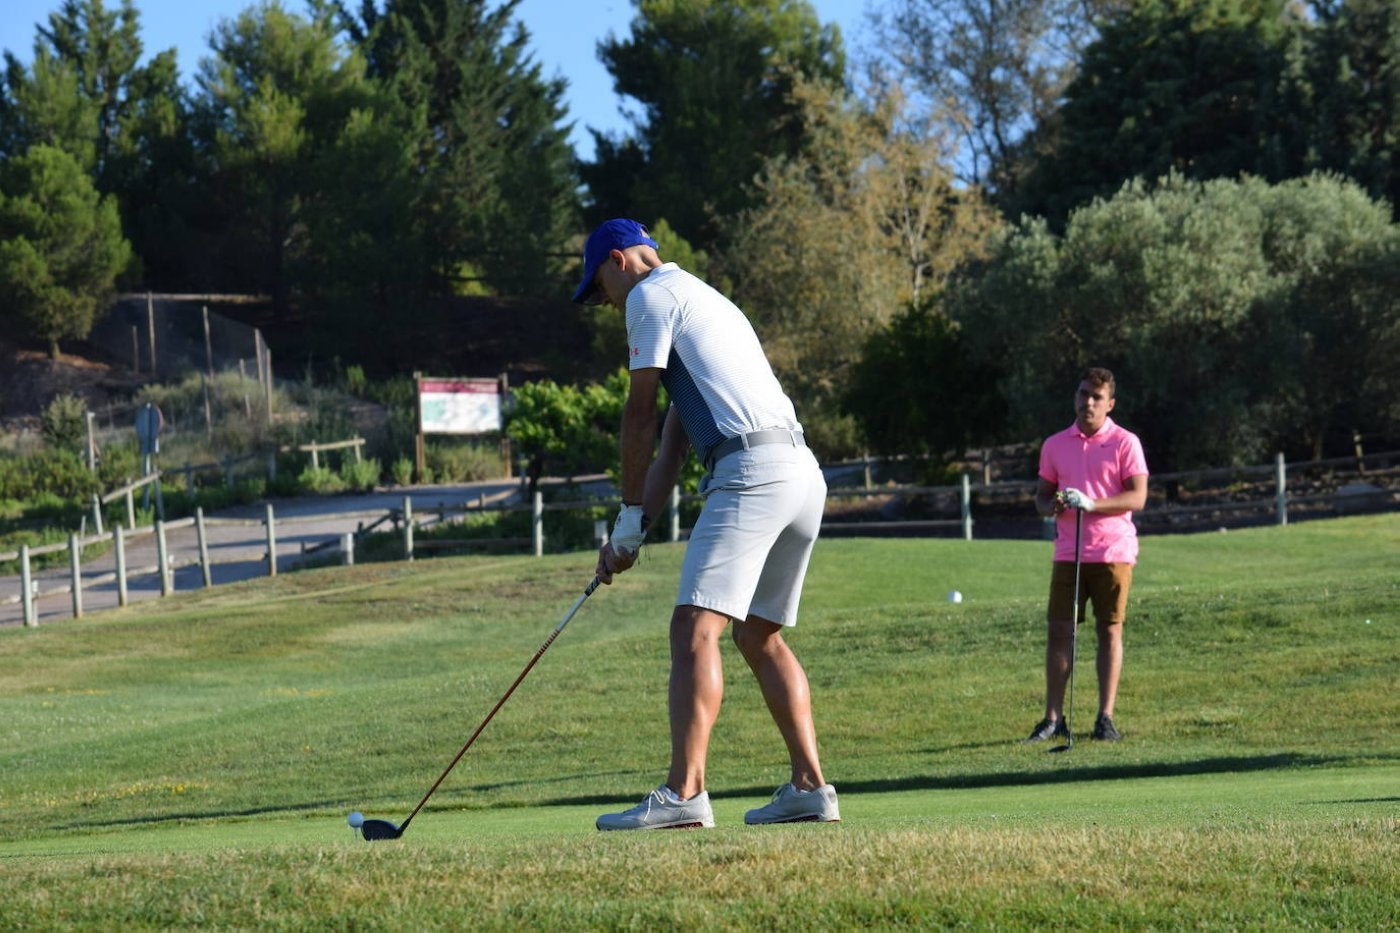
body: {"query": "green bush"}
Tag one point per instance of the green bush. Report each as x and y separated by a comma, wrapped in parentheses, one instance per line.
(402, 471)
(60, 472)
(464, 462)
(179, 502)
(360, 475)
(118, 464)
(64, 422)
(320, 480)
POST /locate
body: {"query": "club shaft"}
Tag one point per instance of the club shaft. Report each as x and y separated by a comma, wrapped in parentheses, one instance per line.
(1074, 635)
(502, 701)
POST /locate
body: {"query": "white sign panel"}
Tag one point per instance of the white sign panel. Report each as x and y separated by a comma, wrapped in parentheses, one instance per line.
(459, 406)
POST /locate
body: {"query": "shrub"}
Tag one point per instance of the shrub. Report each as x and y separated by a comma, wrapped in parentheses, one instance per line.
(320, 480)
(63, 422)
(463, 462)
(360, 474)
(60, 472)
(117, 464)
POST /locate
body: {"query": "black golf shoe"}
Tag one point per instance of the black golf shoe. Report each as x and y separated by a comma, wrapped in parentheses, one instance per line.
(1048, 729)
(1104, 731)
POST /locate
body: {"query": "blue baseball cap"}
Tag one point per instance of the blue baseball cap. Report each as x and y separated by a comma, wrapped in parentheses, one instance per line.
(618, 233)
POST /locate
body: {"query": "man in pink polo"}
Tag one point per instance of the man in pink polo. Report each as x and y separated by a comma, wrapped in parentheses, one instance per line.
(1096, 467)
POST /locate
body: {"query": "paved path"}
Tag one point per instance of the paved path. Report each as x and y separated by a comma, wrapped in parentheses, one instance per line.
(237, 543)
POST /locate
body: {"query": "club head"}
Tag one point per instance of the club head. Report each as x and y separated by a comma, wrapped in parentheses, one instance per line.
(379, 829)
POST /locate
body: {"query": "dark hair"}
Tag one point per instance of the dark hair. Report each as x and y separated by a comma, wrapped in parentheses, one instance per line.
(1098, 376)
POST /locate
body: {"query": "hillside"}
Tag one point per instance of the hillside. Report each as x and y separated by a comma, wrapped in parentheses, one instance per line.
(527, 339)
(29, 380)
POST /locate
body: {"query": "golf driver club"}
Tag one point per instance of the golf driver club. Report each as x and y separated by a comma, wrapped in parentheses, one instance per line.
(1074, 635)
(384, 829)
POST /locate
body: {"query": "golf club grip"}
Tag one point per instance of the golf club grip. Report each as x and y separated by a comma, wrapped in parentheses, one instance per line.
(502, 701)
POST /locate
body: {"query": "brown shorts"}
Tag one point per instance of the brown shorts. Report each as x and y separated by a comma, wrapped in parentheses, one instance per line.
(1106, 584)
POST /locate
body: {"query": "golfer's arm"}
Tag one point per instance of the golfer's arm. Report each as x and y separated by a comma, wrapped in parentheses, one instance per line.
(664, 472)
(1045, 498)
(638, 433)
(1131, 499)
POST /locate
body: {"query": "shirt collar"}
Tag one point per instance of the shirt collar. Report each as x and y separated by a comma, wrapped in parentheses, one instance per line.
(1100, 434)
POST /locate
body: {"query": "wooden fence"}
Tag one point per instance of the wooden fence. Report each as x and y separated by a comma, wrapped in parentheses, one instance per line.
(1240, 495)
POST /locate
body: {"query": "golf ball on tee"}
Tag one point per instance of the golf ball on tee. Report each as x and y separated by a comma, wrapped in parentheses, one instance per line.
(954, 596)
(355, 819)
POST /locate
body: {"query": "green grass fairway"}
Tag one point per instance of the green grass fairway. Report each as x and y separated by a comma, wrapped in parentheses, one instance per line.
(191, 762)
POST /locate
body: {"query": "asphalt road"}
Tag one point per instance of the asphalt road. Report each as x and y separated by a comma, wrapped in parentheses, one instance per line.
(237, 546)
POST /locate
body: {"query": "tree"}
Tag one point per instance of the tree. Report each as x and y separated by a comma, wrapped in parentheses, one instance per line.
(915, 392)
(565, 429)
(1220, 304)
(1327, 344)
(864, 222)
(713, 78)
(1354, 65)
(61, 246)
(304, 159)
(488, 138)
(1003, 64)
(1203, 88)
(42, 105)
(87, 93)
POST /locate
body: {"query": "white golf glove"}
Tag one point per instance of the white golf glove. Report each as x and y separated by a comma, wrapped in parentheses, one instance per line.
(629, 530)
(1077, 500)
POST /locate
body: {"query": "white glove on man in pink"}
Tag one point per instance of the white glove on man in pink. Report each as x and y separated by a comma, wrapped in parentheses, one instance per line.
(1077, 500)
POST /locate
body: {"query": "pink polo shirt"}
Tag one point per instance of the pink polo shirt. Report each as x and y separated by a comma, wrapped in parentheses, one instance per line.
(1095, 465)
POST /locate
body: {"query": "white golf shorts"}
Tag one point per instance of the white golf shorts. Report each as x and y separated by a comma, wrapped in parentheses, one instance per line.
(749, 550)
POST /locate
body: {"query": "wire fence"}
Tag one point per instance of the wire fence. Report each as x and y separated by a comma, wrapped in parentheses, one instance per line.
(167, 336)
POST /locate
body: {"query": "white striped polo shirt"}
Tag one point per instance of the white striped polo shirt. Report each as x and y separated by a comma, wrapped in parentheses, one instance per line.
(714, 368)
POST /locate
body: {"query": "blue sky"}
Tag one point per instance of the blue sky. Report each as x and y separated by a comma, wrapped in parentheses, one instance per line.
(563, 33)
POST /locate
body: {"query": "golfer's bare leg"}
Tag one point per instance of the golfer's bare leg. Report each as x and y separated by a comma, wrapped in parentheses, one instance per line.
(1109, 663)
(1059, 644)
(784, 685)
(697, 687)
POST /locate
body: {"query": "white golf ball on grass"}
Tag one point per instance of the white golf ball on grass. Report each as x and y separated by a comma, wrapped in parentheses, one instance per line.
(954, 596)
(356, 819)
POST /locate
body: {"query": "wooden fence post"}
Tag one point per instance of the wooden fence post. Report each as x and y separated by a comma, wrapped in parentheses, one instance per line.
(347, 549)
(203, 546)
(162, 559)
(26, 585)
(119, 546)
(675, 514)
(97, 513)
(537, 523)
(271, 542)
(407, 528)
(1281, 497)
(966, 498)
(75, 573)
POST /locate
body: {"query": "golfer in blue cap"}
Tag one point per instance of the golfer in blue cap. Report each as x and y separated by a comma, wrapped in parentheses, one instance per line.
(748, 552)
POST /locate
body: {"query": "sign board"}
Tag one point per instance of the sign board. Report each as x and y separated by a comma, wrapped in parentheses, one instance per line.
(149, 421)
(459, 406)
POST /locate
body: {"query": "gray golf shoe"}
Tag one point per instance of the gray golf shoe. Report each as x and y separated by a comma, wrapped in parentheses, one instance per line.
(790, 805)
(659, 811)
